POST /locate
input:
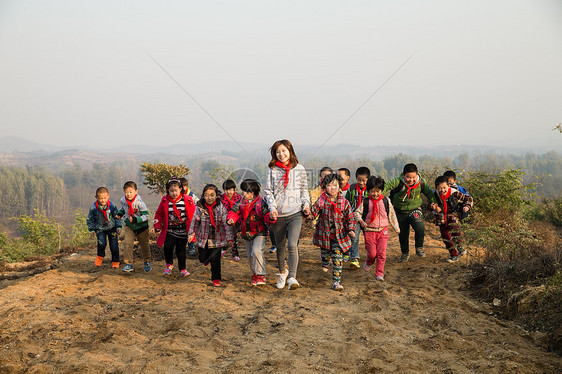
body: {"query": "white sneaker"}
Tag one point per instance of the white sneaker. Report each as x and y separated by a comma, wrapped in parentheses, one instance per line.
(293, 283)
(282, 279)
(379, 278)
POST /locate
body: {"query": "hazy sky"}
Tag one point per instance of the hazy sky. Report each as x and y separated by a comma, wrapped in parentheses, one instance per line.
(480, 72)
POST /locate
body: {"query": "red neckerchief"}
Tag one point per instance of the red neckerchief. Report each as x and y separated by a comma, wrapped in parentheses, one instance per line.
(211, 214)
(444, 198)
(248, 208)
(230, 202)
(104, 211)
(346, 187)
(176, 210)
(375, 207)
(287, 169)
(360, 191)
(335, 205)
(411, 188)
(130, 204)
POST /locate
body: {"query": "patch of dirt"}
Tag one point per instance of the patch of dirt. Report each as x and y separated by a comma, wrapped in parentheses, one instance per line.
(76, 318)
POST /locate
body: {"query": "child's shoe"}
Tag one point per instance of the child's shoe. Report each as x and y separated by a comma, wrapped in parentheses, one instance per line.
(99, 260)
(379, 278)
(254, 281)
(293, 283)
(462, 251)
(128, 268)
(273, 249)
(325, 268)
(260, 280)
(336, 286)
(404, 257)
(236, 258)
(366, 267)
(168, 269)
(184, 273)
(354, 264)
(420, 252)
(282, 279)
(453, 259)
(217, 283)
(147, 266)
(115, 265)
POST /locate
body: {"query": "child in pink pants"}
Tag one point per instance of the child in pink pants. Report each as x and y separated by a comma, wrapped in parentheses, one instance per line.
(374, 215)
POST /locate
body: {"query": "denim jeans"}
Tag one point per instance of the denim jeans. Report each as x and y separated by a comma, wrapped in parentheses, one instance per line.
(111, 237)
(354, 250)
(254, 251)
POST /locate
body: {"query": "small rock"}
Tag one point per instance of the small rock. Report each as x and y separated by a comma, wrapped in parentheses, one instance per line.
(496, 302)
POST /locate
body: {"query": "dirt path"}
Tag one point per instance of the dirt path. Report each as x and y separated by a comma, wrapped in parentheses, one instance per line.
(421, 319)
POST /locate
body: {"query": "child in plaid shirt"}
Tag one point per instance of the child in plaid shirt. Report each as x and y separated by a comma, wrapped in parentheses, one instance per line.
(450, 203)
(210, 228)
(335, 227)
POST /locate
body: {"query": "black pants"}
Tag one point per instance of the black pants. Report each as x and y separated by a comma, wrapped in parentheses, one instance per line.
(212, 256)
(405, 220)
(177, 243)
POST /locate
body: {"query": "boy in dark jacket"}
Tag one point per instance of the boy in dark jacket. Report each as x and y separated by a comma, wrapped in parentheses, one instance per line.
(102, 222)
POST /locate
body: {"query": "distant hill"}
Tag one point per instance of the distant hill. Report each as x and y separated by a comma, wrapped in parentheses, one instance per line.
(11, 144)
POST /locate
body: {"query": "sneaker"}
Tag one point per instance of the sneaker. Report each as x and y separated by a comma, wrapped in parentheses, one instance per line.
(168, 269)
(216, 283)
(354, 264)
(345, 258)
(462, 251)
(254, 281)
(282, 279)
(236, 258)
(325, 268)
(128, 268)
(293, 283)
(379, 278)
(260, 280)
(147, 266)
(273, 249)
(453, 259)
(184, 273)
(115, 265)
(420, 252)
(366, 267)
(223, 252)
(337, 286)
(404, 257)
(99, 260)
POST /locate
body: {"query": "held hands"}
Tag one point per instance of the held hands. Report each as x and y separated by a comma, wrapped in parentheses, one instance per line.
(190, 238)
(306, 210)
(230, 222)
(363, 224)
(273, 215)
(352, 234)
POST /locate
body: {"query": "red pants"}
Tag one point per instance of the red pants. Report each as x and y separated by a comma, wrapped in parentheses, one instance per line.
(375, 244)
(451, 235)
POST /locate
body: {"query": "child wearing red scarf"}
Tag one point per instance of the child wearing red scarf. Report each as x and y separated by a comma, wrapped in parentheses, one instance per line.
(172, 220)
(252, 215)
(346, 175)
(374, 215)
(335, 228)
(228, 199)
(103, 223)
(355, 195)
(450, 204)
(211, 230)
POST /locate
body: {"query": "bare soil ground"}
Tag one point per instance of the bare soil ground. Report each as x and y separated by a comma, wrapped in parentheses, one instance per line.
(78, 319)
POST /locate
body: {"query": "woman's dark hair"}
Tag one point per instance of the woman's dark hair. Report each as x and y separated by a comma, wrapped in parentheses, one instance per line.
(441, 179)
(330, 178)
(409, 168)
(173, 182)
(228, 184)
(363, 170)
(375, 182)
(250, 185)
(292, 156)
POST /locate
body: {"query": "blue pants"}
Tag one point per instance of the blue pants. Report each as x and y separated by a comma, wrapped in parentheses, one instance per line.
(103, 238)
(354, 250)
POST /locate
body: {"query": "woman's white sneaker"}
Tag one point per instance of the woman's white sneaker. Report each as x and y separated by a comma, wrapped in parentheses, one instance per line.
(293, 283)
(282, 278)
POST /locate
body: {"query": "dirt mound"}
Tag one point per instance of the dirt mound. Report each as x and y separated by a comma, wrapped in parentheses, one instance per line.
(421, 319)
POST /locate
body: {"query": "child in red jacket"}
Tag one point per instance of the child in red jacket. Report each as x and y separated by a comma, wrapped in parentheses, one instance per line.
(172, 220)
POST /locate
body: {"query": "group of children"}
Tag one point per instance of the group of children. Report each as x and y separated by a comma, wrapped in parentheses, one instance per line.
(340, 211)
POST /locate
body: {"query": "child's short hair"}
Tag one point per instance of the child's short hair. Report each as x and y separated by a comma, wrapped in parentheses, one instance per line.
(130, 184)
(211, 186)
(362, 170)
(173, 182)
(375, 182)
(325, 168)
(345, 171)
(184, 182)
(410, 168)
(450, 174)
(250, 185)
(228, 184)
(441, 179)
(101, 190)
(330, 178)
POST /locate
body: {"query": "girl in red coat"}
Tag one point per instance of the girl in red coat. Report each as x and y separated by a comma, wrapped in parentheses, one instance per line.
(172, 221)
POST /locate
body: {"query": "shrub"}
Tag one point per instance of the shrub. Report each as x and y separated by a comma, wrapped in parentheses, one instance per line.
(156, 175)
(39, 231)
(80, 236)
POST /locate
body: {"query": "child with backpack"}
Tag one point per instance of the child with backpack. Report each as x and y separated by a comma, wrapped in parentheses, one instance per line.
(374, 215)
